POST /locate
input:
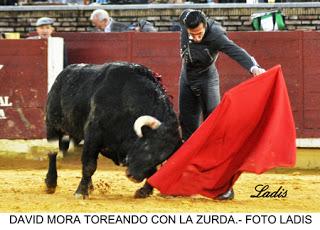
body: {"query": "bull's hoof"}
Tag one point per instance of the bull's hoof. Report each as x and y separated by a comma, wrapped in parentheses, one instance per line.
(82, 191)
(81, 196)
(91, 188)
(143, 193)
(51, 185)
(51, 190)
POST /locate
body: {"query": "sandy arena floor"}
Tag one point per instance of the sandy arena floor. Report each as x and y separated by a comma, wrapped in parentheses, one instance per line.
(22, 190)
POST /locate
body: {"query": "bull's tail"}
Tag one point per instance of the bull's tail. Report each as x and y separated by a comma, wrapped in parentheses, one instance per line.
(53, 108)
(51, 178)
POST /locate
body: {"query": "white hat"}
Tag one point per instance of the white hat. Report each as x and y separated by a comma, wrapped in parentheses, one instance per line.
(44, 21)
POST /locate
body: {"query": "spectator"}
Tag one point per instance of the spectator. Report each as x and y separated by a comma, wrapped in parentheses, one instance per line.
(175, 26)
(44, 29)
(128, 1)
(8, 2)
(232, 1)
(143, 26)
(176, 1)
(103, 22)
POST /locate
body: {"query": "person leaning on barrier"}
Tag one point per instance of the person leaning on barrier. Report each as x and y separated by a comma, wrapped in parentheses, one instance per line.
(103, 22)
(44, 29)
(143, 26)
(201, 40)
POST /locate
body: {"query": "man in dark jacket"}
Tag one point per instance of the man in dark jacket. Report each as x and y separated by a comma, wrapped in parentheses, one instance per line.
(201, 40)
(103, 22)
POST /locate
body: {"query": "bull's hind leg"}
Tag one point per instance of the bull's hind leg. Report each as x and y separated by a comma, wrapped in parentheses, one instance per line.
(146, 189)
(51, 178)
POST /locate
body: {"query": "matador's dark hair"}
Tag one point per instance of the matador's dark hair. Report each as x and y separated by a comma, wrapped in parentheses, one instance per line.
(192, 18)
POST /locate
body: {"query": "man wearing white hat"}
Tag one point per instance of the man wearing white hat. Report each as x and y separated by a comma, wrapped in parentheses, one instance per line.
(44, 30)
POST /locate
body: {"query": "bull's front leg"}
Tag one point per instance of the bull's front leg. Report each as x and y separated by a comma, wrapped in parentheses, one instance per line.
(146, 190)
(89, 166)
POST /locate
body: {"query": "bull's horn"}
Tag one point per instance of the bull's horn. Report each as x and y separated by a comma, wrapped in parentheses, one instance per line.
(145, 120)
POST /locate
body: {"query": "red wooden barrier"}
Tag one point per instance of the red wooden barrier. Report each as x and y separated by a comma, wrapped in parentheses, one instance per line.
(311, 85)
(23, 88)
(24, 78)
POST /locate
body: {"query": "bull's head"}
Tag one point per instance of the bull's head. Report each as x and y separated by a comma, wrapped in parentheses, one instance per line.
(156, 142)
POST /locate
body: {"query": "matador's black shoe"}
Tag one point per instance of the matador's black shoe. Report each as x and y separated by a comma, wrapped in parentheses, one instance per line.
(228, 195)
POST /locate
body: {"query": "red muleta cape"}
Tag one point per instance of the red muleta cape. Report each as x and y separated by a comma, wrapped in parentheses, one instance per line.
(251, 130)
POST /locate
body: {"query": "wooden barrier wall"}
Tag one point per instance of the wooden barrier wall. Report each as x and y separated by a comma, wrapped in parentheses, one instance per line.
(23, 88)
(297, 52)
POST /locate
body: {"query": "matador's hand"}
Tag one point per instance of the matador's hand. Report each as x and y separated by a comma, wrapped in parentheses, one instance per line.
(256, 70)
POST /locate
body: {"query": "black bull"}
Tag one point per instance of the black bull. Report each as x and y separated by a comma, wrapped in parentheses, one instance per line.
(121, 111)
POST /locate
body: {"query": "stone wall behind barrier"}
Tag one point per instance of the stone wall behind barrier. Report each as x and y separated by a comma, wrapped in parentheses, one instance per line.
(234, 17)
